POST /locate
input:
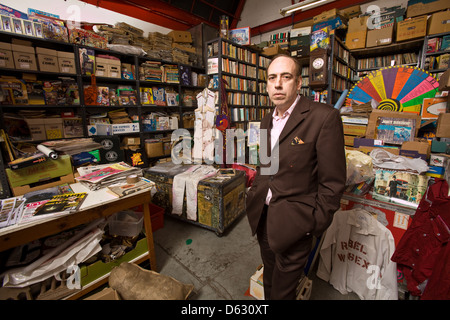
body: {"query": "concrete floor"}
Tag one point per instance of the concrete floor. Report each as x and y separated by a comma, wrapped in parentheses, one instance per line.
(219, 267)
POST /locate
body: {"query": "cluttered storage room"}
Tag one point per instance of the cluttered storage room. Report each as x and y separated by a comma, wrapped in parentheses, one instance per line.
(225, 150)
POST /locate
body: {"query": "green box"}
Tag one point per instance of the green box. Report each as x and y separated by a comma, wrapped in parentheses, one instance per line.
(92, 272)
(40, 172)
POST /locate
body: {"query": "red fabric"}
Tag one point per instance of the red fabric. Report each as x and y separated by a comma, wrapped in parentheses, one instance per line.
(250, 173)
(419, 253)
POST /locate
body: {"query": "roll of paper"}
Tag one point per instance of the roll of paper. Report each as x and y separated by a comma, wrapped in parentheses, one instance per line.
(47, 151)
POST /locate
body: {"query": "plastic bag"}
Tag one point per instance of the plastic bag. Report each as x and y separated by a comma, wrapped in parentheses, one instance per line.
(359, 167)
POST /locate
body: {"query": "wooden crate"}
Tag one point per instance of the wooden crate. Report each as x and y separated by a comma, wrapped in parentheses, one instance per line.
(219, 203)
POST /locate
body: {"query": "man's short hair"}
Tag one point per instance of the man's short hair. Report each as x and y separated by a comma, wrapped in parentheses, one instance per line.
(298, 66)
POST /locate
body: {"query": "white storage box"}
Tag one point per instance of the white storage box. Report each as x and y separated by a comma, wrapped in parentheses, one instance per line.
(126, 223)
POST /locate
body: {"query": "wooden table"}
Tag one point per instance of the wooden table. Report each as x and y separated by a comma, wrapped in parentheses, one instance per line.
(98, 204)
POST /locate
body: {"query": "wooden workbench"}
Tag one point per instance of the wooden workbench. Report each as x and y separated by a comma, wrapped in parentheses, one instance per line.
(98, 204)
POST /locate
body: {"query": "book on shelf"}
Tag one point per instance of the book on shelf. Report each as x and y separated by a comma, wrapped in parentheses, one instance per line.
(68, 202)
(395, 130)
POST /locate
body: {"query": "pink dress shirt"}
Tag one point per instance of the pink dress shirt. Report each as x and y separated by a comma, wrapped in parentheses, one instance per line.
(278, 123)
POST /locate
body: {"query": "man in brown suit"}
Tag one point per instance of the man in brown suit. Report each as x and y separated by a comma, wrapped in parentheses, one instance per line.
(288, 205)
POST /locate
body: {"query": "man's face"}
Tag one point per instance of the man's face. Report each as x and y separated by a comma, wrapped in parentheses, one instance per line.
(282, 82)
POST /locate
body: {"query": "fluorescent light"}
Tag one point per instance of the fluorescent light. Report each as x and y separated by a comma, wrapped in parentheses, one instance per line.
(304, 5)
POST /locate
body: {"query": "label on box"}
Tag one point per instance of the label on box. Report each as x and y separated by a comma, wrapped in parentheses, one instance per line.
(401, 220)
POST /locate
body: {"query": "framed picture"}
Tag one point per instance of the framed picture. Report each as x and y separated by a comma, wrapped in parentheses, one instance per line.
(28, 28)
(240, 35)
(6, 23)
(17, 25)
(38, 30)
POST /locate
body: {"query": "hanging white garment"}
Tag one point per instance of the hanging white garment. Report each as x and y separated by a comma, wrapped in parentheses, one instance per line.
(204, 130)
(188, 181)
(356, 256)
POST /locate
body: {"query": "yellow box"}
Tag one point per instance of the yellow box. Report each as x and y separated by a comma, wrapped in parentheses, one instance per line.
(40, 172)
(53, 128)
(180, 36)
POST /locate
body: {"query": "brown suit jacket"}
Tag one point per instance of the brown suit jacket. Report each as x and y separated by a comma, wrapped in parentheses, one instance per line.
(308, 186)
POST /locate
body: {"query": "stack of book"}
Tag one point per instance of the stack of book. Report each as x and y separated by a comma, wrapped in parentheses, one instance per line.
(107, 175)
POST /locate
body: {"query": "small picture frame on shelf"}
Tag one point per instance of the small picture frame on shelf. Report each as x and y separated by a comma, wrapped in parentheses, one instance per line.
(38, 30)
(6, 23)
(17, 25)
(240, 36)
(28, 28)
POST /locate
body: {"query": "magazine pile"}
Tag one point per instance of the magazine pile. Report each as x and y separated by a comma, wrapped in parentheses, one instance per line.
(105, 175)
(36, 205)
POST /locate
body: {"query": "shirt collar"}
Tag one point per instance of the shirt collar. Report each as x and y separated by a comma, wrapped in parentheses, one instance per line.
(365, 224)
(276, 116)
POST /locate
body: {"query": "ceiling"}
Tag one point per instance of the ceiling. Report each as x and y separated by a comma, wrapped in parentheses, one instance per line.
(185, 14)
(176, 14)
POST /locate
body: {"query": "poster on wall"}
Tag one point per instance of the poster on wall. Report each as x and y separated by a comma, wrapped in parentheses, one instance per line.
(240, 36)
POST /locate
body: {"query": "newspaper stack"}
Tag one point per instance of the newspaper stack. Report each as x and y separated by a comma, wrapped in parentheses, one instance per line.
(105, 175)
(160, 46)
(73, 146)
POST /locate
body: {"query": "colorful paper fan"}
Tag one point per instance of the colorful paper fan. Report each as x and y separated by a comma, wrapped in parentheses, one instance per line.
(396, 88)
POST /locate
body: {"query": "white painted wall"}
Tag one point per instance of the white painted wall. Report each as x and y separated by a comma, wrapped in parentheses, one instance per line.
(81, 11)
(258, 12)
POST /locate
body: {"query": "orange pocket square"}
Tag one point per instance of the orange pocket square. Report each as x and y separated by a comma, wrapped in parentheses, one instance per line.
(296, 140)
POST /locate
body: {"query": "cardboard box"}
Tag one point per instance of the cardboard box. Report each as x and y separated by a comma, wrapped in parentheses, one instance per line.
(6, 56)
(47, 59)
(257, 284)
(376, 113)
(335, 23)
(92, 272)
(105, 294)
(24, 57)
(114, 69)
(379, 37)
(356, 40)
(40, 172)
(53, 128)
(440, 146)
(443, 126)
(273, 50)
(41, 185)
(101, 67)
(444, 81)
(354, 129)
(425, 7)
(356, 33)
(326, 15)
(416, 149)
(180, 36)
(66, 62)
(439, 22)
(304, 23)
(154, 148)
(351, 12)
(358, 24)
(37, 128)
(365, 145)
(73, 127)
(439, 159)
(411, 28)
(432, 107)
